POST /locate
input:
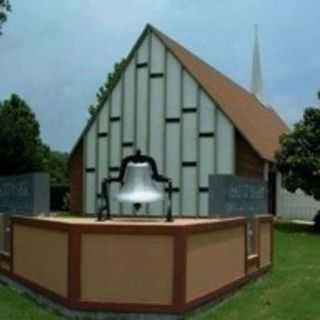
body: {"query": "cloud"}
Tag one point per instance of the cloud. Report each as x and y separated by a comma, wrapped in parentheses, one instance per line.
(57, 53)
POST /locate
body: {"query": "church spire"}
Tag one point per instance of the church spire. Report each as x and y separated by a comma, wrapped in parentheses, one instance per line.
(256, 72)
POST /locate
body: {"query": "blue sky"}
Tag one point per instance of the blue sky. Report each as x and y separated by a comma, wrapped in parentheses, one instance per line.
(56, 54)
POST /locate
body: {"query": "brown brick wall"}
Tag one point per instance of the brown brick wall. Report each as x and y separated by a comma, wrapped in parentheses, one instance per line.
(248, 163)
(76, 179)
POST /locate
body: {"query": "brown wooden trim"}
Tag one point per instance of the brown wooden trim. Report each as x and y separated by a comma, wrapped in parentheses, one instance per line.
(272, 241)
(215, 225)
(107, 227)
(5, 256)
(43, 291)
(42, 224)
(253, 260)
(5, 272)
(267, 218)
(139, 308)
(236, 284)
(246, 247)
(264, 218)
(125, 307)
(258, 230)
(12, 244)
(74, 265)
(180, 235)
(179, 272)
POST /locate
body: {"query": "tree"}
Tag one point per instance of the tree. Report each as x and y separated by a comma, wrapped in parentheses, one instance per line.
(21, 148)
(4, 9)
(111, 80)
(56, 165)
(299, 156)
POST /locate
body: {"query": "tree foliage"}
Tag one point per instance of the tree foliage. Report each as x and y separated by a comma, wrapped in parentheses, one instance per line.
(56, 165)
(21, 148)
(104, 90)
(4, 9)
(299, 156)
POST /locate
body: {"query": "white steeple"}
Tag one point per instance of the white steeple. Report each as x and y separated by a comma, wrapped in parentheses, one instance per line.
(256, 72)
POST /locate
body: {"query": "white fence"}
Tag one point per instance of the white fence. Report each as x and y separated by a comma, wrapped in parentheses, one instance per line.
(295, 206)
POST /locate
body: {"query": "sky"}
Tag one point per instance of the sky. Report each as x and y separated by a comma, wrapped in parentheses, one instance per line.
(56, 54)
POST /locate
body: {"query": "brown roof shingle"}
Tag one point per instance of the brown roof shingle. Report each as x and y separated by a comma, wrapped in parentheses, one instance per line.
(259, 125)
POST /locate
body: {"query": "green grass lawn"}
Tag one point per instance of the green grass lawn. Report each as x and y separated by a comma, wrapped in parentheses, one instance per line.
(20, 307)
(291, 291)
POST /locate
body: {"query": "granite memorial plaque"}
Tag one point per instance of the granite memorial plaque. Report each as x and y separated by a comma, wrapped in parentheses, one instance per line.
(27, 194)
(231, 195)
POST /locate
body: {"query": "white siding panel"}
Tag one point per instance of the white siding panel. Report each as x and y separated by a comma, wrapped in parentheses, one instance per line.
(175, 204)
(102, 160)
(115, 144)
(114, 190)
(189, 91)
(203, 204)
(157, 121)
(129, 96)
(173, 162)
(173, 87)
(225, 141)
(158, 52)
(143, 51)
(206, 160)
(90, 180)
(157, 130)
(207, 111)
(90, 192)
(104, 118)
(190, 137)
(116, 101)
(127, 209)
(142, 107)
(91, 146)
(190, 191)
(206, 166)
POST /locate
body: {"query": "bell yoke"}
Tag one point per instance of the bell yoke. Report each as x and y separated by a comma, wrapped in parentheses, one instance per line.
(137, 175)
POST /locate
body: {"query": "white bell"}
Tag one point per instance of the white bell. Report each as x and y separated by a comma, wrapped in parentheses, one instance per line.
(138, 186)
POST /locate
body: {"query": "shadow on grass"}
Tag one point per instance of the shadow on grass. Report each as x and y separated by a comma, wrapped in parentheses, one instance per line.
(288, 227)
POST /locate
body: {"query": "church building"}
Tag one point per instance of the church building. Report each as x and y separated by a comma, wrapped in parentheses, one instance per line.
(189, 117)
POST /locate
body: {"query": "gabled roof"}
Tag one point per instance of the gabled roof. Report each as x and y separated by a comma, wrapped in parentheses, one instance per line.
(259, 125)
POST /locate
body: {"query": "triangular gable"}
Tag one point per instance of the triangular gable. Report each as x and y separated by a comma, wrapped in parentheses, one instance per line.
(259, 125)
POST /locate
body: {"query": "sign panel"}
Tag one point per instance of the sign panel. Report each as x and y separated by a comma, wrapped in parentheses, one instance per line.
(26, 194)
(231, 195)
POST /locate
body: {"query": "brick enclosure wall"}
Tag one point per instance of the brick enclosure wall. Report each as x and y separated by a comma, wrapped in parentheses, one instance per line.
(76, 179)
(248, 162)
